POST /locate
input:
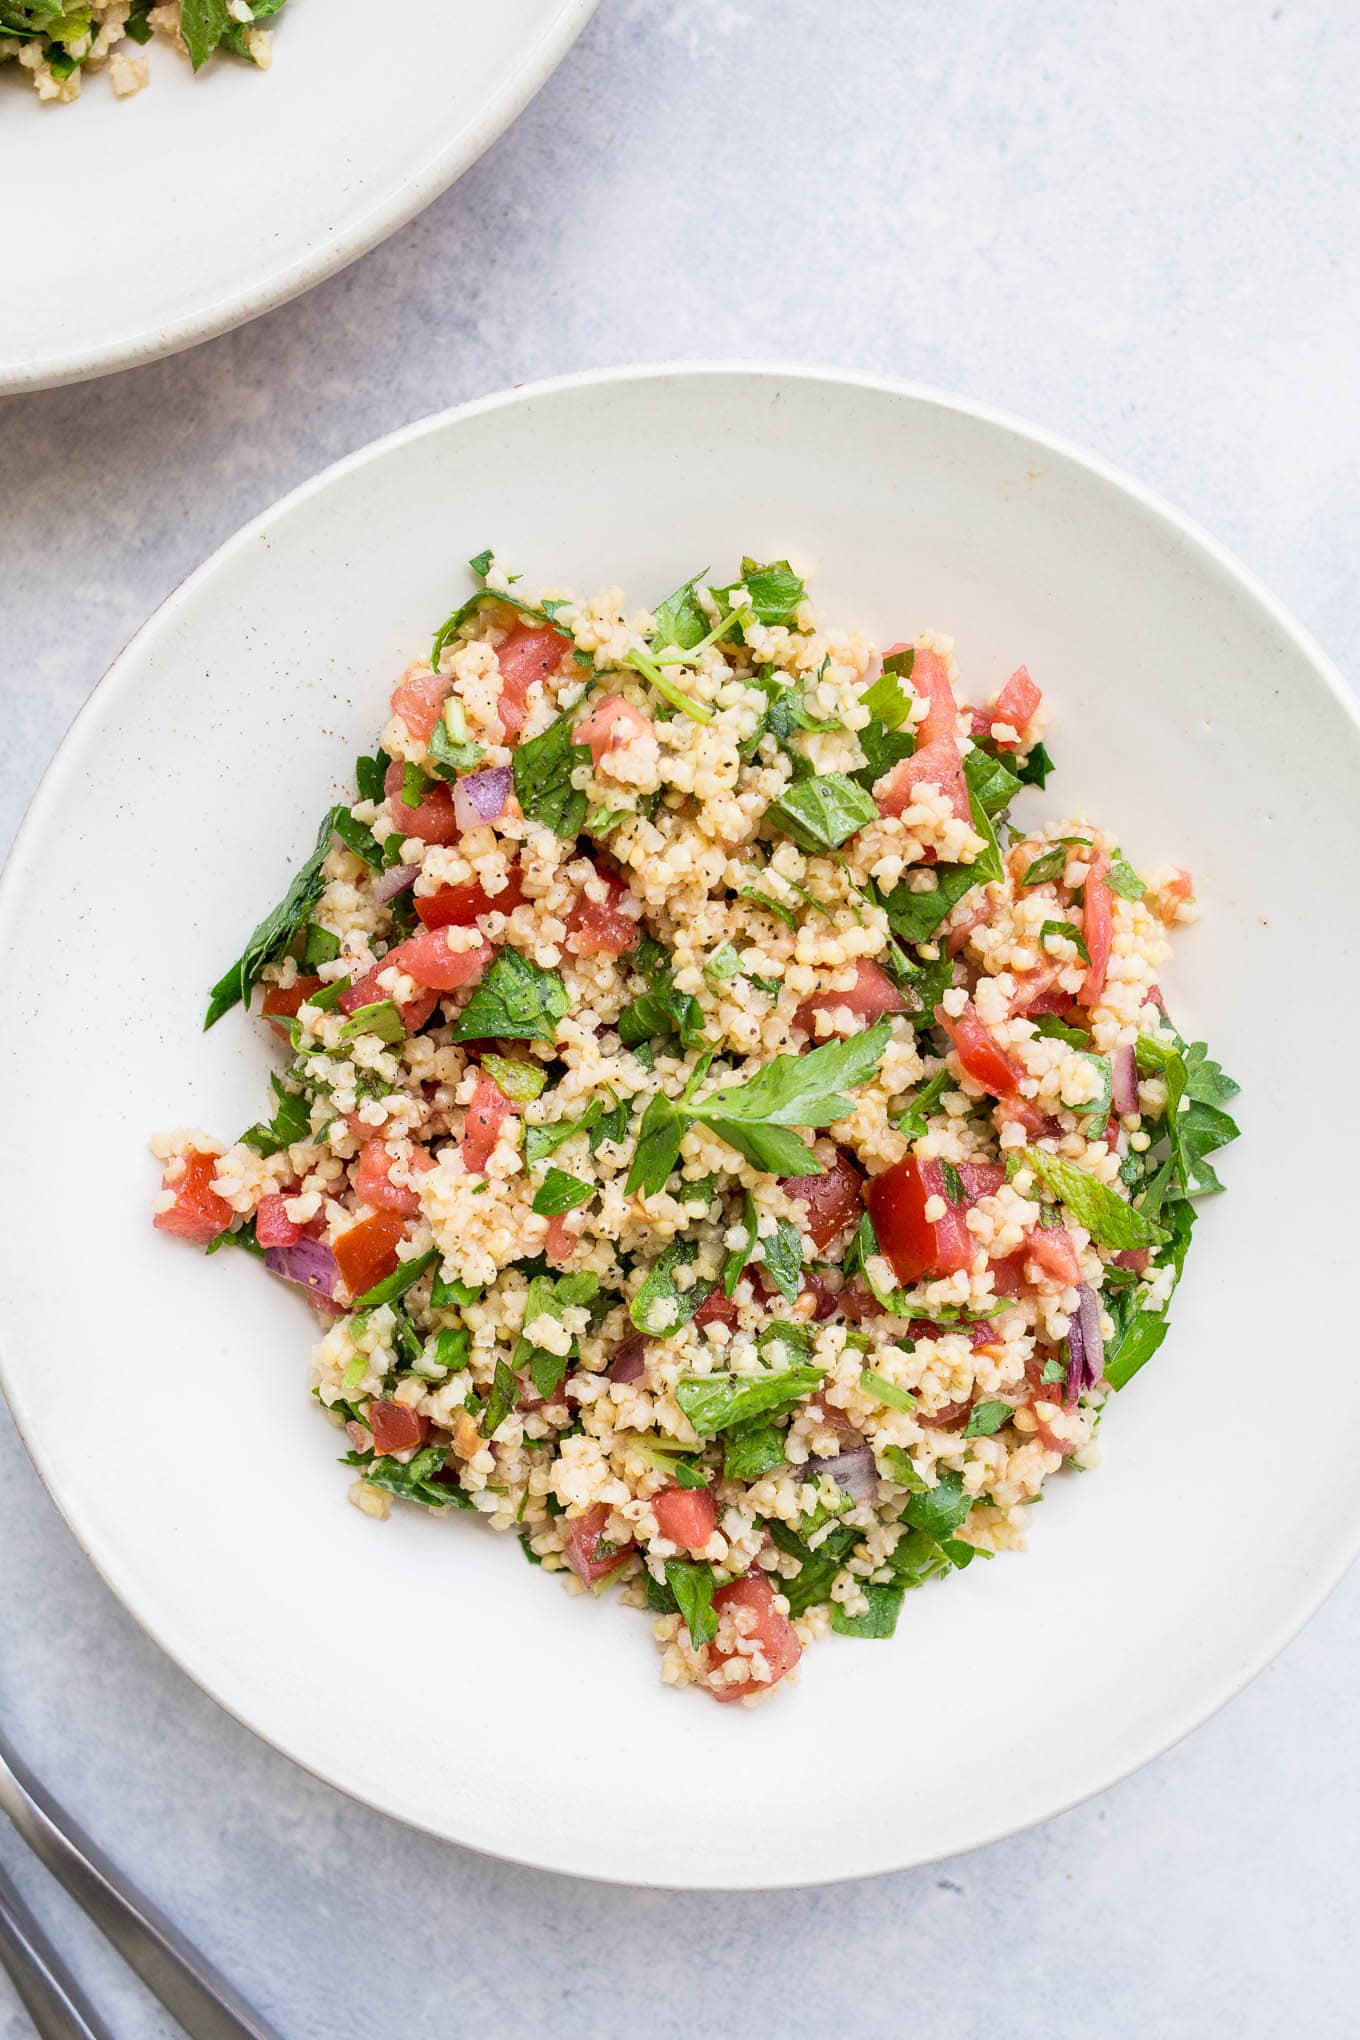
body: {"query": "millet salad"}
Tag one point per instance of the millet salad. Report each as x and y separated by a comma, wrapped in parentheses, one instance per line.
(56, 43)
(725, 1150)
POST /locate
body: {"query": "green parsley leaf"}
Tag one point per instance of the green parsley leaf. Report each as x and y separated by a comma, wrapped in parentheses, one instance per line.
(451, 1291)
(992, 784)
(502, 1399)
(716, 1402)
(774, 591)
(812, 1583)
(822, 812)
(292, 1122)
(369, 775)
(1051, 865)
(414, 1481)
(276, 930)
(1033, 769)
(915, 1121)
(203, 24)
(1121, 878)
(661, 1296)
(752, 1450)
(803, 1090)
(542, 770)
(382, 1018)
(660, 1013)
(986, 1418)
(879, 1620)
(516, 1000)
(679, 620)
(658, 1147)
(692, 1583)
(1105, 1215)
(776, 907)
(403, 1277)
(902, 1469)
(358, 837)
(560, 1192)
(1066, 931)
(783, 1251)
(520, 1082)
(939, 1510)
(1054, 1029)
(889, 701)
(953, 1182)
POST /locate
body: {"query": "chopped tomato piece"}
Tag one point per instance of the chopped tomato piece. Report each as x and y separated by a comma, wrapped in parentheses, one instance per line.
(612, 723)
(871, 996)
(373, 1178)
(824, 1297)
(368, 1251)
(1051, 1247)
(368, 991)
(771, 1631)
(917, 1245)
(198, 1213)
(979, 913)
(833, 1199)
(432, 818)
(458, 906)
(936, 760)
(1177, 890)
(281, 1002)
(588, 1553)
(273, 1226)
(396, 1428)
(688, 1516)
(1018, 703)
(1097, 925)
(429, 961)
(524, 656)
(418, 699)
(951, 1416)
(600, 927)
(561, 1242)
(482, 1123)
(1008, 1275)
(1136, 1258)
(717, 1308)
(982, 1060)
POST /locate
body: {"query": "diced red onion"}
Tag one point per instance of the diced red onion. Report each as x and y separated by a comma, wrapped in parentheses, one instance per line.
(310, 1264)
(398, 878)
(1125, 1069)
(627, 1363)
(480, 797)
(1085, 1346)
(853, 1470)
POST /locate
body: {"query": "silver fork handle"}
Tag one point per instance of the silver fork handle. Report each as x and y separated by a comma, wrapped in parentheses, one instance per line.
(189, 1987)
(47, 1990)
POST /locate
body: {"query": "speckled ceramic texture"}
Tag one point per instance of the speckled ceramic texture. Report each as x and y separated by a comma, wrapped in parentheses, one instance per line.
(1132, 227)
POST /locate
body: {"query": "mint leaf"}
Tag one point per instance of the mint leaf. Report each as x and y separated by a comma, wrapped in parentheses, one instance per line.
(1121, 878)
(752, 1450)
(660, 1297)
(880, 1619)
(516, 1001)
(692, 1583)
(680, 621)
(660, 1013)
(986, 1418)
(542, 770)
(775, 592)
(559, 1193)
(784, 1258)
(658, 1147)
(822, 812)
(1105, 1215)
(939, 1510)
(915, 1121)
(414, 1481)
(715, 1402)
(203, 24)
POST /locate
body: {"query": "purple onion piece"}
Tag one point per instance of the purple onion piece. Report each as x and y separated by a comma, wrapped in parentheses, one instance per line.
(1125, 1073)
(310, 1263)
(853, 1470)
(480, 797)
(627, 1364)
(398, 878)
(1085, 1346)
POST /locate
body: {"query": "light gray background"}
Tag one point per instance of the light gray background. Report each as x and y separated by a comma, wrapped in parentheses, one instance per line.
(1132, 223)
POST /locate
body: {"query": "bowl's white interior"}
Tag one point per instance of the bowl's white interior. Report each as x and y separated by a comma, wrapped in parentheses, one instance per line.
(234, 190)
(422, 1664)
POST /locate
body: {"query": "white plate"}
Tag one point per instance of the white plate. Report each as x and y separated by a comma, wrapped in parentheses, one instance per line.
(421, 1665)
(150, 223)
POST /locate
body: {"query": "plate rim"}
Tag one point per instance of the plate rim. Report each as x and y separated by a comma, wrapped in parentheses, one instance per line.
(1247, 1666)
(375, 224)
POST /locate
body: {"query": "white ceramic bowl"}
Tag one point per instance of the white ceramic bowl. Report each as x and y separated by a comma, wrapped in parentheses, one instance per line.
(150, 223)
(421, 1665)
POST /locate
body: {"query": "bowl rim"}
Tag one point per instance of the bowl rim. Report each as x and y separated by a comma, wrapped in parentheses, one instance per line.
(375, 223)
(1218, 1692)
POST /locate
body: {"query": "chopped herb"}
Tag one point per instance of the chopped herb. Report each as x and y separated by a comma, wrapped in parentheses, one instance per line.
(661, 1296)
(992, 783)
(818, 1568)
(515, 1000)
(941, 1509)
(661, 1013)
(915, 1121)
(559, 1193)
(751, 1450)
(502, 1399)
(1053, 1029)
(1109, 1220)
(1066, 931)
(1052, 864)
(822, 812)
(358, 837)
(658, 1147)
(403, 1277)
(986, 1418)
(803, 1090)
(451, 1291)
(1121, 878)
(1033, 769)
(953, 1182)
(382, 1018)
(722, 964)
(692, 1583)
(520, 1082)
(885, 1391)
(542, 770)
(319, 945)
(414, 1481)
(715, 1402)
(783, 1257)
(775, 907)
(879, 1619)
(450, 750)
(902, 1469)
(276, 930)
(292, 1122)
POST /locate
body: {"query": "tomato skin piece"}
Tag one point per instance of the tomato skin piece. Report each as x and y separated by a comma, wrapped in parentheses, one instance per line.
(273, 1226)
(1097, 925)
(1052, 1249)
(560, 1242)
(368, 1251)
(458, 906)
(482, 1123)
(583, 1534)
(610, 724)
(600, 928)
(418, 698)
(280, 1003)
(1008, 1275)
(871, 996)
(773, 1631)
(717, 1308)
(524, 656)
(432, 819)
(1018, 703)
(833, 1199)
(427, 959)
(980, 1056)
(396, 1428)
(1173, 895)
(198, 1213)
(936, 760)
(914, 1244)
(367, 991)
(373, 1178)
(688, 1516)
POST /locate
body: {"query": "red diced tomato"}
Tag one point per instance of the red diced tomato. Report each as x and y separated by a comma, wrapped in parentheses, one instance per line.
(373, 1178)
(833, 1199)
(1137, 1258)
(198, 1213)
(458, 906)
(396, 1428)
(1008, 1275)
(432, 818)
(600, 927)
(717, 1308)
(368, 1251)
(611, 723)
(273, 1226)
(916, 1245)
(871, 996)
(367, 991)
(281, 1003)
(482, 1123)
(1051, 1247)
(936, 760)
(1177, 890)
(1097, 925)
(587, 1553)
(418, 698)
(688, 1516)
(824, 1298)
(561, 1242)
(428, 960)
(1018, 703)
(982, 1060)
(524, 656)
(772, 1632)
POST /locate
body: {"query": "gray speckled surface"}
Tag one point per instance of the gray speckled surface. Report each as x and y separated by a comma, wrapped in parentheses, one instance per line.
(1133, 225)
